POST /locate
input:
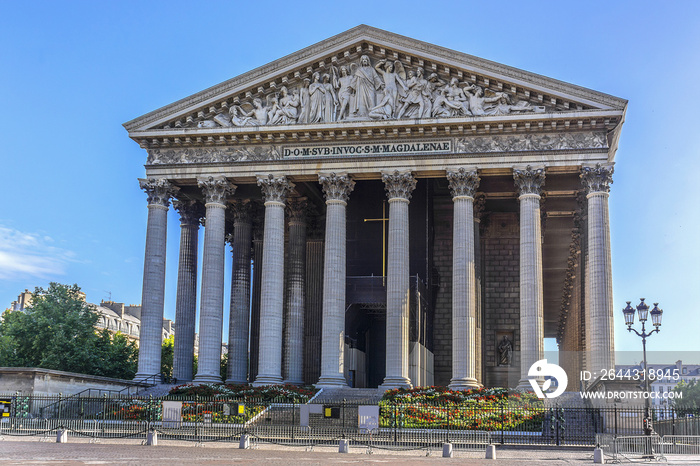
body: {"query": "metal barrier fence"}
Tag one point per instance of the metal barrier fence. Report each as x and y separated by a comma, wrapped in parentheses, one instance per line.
(397, 425)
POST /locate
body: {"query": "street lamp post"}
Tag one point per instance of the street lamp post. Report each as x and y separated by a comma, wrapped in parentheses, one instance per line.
(643, 312)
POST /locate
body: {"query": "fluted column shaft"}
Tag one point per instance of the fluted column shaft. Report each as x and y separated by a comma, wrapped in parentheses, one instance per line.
(337, 188)
(159, 192)
(399, 186)
(186, 302)
(272, 299)
(293, 354)
(529, 182)
(597, 182)
(463, 184)
(215, 190)
(239, 318)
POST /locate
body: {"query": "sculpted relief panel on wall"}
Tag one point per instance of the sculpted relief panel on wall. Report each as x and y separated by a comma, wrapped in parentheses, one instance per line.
(464, 145)
(362, 90)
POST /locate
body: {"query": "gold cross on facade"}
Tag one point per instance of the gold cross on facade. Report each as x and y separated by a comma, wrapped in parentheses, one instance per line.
(384, 219)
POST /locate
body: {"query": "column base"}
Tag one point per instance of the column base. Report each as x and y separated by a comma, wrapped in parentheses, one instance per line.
(331, 382)
(262, 380)
(236, 382)
(206, 378)
(391, 383)
(525, 386)
(464, 383)
(293, 382)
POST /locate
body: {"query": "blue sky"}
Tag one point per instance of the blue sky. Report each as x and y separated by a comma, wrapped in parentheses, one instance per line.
(73, 71)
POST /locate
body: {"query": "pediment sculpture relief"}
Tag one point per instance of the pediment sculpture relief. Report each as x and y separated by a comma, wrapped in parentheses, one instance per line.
(363, 91)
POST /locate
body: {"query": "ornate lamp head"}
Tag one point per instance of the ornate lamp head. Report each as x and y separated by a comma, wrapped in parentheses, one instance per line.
(656, 315)
(629, 314)
(643, 310)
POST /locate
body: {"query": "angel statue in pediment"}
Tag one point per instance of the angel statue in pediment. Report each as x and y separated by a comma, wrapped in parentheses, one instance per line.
(394, 86)
(257, 116)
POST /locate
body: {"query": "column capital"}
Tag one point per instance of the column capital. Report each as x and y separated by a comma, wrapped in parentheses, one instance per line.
(297, 208)
(274, 188)
(158, 190)
(240, 209)
(598, 178)
(529, 180)
(399, 184)
(216, 189)
(190, 211)
(336, 186)
(463, 181)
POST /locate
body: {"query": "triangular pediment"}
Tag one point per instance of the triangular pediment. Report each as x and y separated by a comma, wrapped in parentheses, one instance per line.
(370, 75)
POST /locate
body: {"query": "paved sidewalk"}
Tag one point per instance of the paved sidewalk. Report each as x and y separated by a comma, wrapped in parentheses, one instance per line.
(30, 450)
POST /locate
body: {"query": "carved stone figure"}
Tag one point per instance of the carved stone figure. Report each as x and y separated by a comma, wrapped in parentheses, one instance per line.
(505, 352)
(287, 108)
(418, 92)
(330, 99)
(304, 101)
(258, 116)
(394, 77)
(475, 94)
(503, 106)
(366, 82)
(442, 106)
(317, 92)
(342, 82)
(458, 102)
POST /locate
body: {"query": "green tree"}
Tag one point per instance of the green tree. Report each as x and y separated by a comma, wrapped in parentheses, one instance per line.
(690, 403)
(167, 353)
(223, 366)
(117, 355)
(57, 332)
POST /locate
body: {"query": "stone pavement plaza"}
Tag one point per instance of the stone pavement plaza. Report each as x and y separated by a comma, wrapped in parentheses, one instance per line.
(31, 450)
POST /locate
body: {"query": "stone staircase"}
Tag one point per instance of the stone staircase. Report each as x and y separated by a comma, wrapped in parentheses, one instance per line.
(354, 396)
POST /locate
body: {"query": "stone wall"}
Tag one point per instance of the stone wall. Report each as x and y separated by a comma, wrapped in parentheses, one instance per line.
(37, 381)
(442, 262)
(501, 300)
(420, 365)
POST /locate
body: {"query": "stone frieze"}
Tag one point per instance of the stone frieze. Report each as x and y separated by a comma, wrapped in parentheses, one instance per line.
(532, 142)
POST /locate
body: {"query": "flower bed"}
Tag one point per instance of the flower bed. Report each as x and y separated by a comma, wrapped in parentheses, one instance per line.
(487, 409)
(267, 393)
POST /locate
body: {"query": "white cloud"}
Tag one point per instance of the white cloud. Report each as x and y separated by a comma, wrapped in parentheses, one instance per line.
(30, 255)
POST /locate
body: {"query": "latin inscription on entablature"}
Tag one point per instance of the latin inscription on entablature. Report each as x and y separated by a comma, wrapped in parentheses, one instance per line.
(373, 149)
(531, 142)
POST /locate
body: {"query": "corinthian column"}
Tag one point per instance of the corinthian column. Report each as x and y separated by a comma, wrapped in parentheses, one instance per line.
(596, 181)
(337, 189)
(529, 182)
(399, 186)
(211, 315)
(239, 318)
(293, 354)
(159, 192)
(186, 303)
(463, 184)
(271, 303)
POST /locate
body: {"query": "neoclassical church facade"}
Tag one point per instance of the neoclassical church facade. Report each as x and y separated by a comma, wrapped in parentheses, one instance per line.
(399, 214)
